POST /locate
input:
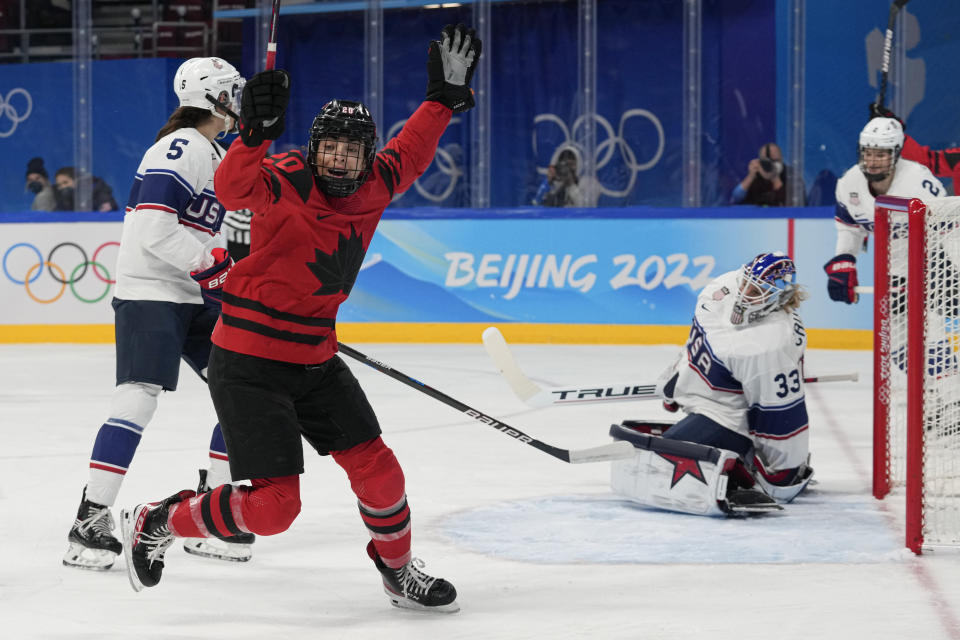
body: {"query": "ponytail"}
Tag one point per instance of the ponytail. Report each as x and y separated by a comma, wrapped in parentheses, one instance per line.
(184, 117)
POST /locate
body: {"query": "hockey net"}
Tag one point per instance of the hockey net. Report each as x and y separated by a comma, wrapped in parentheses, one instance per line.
(916, 375)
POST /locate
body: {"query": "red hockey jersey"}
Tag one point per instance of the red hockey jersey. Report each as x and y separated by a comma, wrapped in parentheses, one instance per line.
(306, 248)
(944, 163)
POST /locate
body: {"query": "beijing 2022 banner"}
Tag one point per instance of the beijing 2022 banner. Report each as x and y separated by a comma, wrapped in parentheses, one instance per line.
(575, 270)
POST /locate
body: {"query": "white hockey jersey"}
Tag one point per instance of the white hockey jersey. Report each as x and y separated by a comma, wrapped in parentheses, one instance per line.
(172, 220)
(854, 215)
(748, 379)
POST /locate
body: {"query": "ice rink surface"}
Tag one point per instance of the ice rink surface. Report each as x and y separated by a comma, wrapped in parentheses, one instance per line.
(536, 548)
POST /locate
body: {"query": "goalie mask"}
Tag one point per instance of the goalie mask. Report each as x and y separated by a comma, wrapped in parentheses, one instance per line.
(343, 141)
(198, 77)
(764, 285)
(880, 144)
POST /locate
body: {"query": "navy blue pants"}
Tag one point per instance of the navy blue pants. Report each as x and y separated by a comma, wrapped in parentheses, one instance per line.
(701, 429)
(152, 336)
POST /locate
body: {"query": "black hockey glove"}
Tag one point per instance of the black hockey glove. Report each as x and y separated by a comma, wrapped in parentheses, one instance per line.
(877, 111)
(450, 66)
(263, 107)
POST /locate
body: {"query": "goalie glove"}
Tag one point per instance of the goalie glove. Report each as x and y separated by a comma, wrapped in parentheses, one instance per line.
(211, 279)
(842, 278)
(263, 106)
(450, 66)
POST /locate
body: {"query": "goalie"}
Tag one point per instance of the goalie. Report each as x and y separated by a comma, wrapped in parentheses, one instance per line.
(743, 445)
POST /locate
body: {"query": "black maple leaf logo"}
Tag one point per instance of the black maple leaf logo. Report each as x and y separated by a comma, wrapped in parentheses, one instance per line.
(337, 271)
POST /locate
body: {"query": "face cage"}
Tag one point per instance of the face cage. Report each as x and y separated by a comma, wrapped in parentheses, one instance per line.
(231, 101)
(877, 177)
(340, 187)
(755, 307)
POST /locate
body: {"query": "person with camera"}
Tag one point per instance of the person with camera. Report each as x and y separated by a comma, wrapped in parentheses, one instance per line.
(562, 187)
(766, 181)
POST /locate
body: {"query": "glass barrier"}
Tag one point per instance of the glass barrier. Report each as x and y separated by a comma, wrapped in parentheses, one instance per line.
(580, 103)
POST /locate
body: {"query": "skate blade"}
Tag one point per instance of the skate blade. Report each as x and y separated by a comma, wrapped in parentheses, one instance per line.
(126, 529)
(229, 552)
(403, 603)
(81, 557)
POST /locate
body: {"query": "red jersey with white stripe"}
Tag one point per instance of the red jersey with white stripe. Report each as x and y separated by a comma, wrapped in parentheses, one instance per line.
(172, 219)
(306, 248)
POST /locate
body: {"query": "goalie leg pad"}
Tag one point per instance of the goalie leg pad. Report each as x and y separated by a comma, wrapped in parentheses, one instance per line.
(684, 476)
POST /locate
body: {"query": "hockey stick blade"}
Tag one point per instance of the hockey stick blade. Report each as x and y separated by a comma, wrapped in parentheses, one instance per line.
(498, 350)
(612, 451)
(533, 395)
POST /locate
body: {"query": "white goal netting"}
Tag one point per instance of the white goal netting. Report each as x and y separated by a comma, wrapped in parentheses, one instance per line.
(922, 454)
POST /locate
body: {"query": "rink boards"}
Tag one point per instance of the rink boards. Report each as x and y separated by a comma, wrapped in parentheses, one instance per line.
(605, 276)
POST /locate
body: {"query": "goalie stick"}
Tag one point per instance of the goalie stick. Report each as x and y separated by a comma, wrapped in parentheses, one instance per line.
(614, 451)
(536, 396)
(887, 46)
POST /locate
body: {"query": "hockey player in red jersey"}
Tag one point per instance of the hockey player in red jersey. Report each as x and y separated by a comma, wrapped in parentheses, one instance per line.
(274, 372)
(943, 163)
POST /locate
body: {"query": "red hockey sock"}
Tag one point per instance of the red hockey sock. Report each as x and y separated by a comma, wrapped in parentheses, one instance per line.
(377, 480)
(266, 508)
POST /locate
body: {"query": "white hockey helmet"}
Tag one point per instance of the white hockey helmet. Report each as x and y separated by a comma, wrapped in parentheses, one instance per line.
(880, 133)
(765, 284)
(198, 77)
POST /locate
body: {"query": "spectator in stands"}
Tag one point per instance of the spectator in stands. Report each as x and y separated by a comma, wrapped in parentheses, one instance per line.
(563, 187)
(766, 181)
(65, 181)
(38, 183)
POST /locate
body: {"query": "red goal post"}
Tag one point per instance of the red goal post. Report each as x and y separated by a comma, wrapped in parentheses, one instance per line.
(916, 417)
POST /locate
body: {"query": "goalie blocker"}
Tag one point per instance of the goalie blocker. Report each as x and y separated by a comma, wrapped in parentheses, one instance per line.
(676, 475)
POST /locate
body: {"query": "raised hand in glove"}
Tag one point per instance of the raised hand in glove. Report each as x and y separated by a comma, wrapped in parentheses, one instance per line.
(842, 278)
(450, 66)
(879, 111)
(263, 106)
(212, 278)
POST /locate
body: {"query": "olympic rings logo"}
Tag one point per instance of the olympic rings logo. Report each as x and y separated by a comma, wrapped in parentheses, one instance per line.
(56, 272)
(10, 112)
(604, 150)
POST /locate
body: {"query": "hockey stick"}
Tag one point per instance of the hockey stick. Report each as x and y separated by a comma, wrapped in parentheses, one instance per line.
(613, 451)
(887, 46)
(536, 396)
(272, 42)
(268, 66)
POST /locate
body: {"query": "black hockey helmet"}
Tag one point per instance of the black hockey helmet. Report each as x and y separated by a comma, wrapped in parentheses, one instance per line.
(343, 119)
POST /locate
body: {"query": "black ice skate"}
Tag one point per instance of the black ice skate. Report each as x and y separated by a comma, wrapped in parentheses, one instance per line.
(233, 549)
(92, 546)
(410, 588)
(146, 538)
